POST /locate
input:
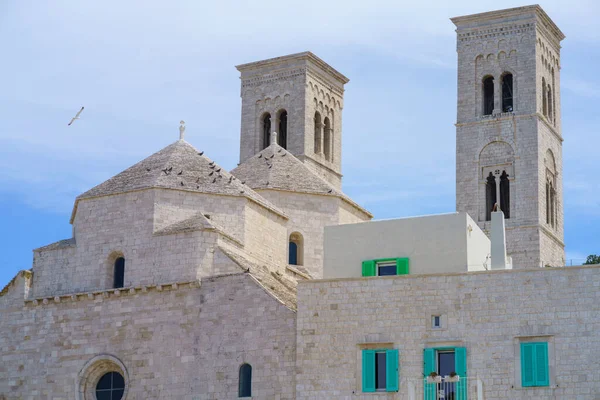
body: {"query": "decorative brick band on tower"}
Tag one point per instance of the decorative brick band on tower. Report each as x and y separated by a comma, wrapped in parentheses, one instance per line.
(508, 131)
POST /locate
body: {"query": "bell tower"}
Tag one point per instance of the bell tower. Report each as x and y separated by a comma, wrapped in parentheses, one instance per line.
(300, 97)
(508, 130)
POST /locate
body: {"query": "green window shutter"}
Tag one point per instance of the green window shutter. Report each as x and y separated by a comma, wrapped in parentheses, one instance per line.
(402, 266)
(542, 376)
(368, 268)
(391, 370)
(527, 364)
(460, 367)
(368, 370)
(430, 389)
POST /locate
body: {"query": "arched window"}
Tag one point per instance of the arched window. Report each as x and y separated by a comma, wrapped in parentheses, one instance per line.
(245, 382)
(111, 386)
(490, 196)
(282, 134)
(296, 249)
(488, 95)
(507, 92)
(327, 139)
(119, 273)
(550, 108)
(318, 128)
(505, 194)
(548, 203)
(544, 98)
(266, 130)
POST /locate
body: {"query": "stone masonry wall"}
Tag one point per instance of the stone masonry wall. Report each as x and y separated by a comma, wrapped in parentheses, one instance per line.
(518, 45)
(184, 343)
(489, 313)
(309, 214)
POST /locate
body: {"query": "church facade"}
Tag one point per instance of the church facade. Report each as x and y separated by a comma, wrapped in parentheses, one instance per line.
(185, 281)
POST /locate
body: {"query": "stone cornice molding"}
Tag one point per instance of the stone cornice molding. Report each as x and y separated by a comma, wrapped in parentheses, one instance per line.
(108, 293)
(520, 16)
(306, 56)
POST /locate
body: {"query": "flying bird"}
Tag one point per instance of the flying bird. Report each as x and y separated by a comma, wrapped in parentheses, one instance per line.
(200, 153)
(75, 117)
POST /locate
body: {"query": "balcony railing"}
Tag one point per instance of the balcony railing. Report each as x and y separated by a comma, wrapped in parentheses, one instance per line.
(445, 388)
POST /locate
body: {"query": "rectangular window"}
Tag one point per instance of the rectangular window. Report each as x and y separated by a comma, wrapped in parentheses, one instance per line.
(380, 370)
(534, 364)
(385, 267)
(435, 321)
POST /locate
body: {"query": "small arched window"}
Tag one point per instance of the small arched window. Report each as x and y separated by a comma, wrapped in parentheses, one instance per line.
(245, 381)
(550, 108)
(488, 95)
(266, 130)
(505, 194)
(544, 98)
(318, 128)
(327, 139)
(119, 273)
(507, 92)
(296, 249)
(490, 195)
(282, 134)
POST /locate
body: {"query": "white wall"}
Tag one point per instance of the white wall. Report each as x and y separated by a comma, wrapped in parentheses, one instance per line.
(434, 244)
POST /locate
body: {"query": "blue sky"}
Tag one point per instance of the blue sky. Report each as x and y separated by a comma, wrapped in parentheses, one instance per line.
(141, 66)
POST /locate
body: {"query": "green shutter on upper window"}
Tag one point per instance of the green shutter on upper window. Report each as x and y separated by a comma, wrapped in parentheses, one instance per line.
(460, 367)
(542, 376)
(430, 389)
(527, 365)
(402, 266)
(391, 370)
(369, 268)
(368, 370)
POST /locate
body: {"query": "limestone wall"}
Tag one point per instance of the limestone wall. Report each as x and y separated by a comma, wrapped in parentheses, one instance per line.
(489, 313)
(309, 215)
(176, 343)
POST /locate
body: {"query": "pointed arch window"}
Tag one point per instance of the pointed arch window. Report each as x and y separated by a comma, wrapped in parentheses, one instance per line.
(266, 130)
(488, 95)
(507, 92)
(490, 195)
(245, 381)
(327, 139)
(119, 273)
(318, 128)
(283, 125)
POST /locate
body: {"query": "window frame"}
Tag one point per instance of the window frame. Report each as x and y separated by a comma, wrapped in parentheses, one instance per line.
(371, 267)
(517, 342)
(369, 366)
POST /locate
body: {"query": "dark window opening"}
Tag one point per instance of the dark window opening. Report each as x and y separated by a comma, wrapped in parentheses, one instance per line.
(488, 95)
(380, 371)
(505, 194)
(327, 139)
(318, 127)
(490, 196)
(282, 134)
(544, 98)
(266, 131)
(245, 381)
(550, 109)
(387, 269)
(293, 258)
(507, 93)
(110, 387)
(547, 203)
(119, 273)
